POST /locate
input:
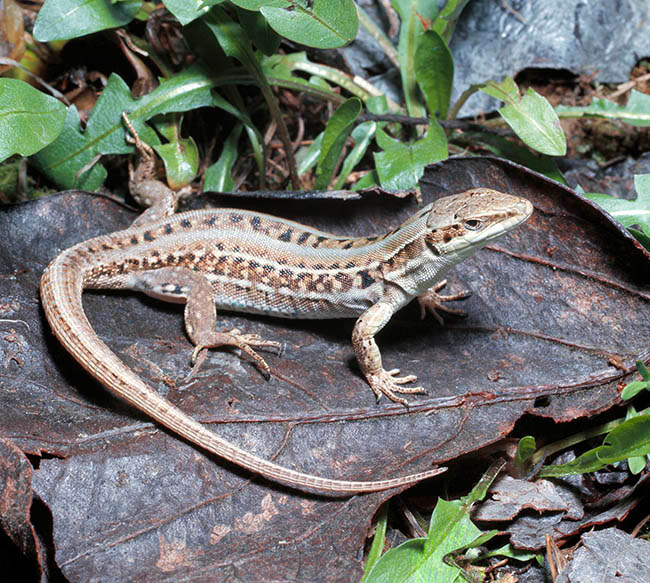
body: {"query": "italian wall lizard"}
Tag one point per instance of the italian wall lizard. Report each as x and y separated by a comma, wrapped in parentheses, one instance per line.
(251, 262)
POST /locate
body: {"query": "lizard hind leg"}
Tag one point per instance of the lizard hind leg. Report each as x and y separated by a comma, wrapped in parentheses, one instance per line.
(180, 284)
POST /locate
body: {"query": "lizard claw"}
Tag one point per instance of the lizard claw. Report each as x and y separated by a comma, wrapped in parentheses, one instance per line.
(431, 301)
(235, 338)
(388, 383)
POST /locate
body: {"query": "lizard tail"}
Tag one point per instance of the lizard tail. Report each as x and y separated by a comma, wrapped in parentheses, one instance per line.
(62, 286)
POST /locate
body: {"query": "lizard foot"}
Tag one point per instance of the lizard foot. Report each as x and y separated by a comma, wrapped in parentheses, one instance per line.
(431, 301)
(388, 383)
(244, 342)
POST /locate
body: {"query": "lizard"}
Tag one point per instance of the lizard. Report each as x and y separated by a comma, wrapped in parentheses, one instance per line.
(251, 262)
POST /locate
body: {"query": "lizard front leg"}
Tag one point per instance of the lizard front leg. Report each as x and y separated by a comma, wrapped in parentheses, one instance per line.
(177, 284)
(381, 381)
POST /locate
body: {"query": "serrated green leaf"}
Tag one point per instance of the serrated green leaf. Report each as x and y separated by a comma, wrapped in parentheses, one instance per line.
(636, 112)
(74, 150)
(29, 119)
(65, 19)
(336, 132)
(513, 553)
(218, 177)
(401, 165)
(531, 117)
(587, 462)
(629, 212)
(434, 72)
(450, 529)
(630, 439)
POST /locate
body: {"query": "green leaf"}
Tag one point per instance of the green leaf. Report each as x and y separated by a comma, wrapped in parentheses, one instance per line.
(636, 112)
(641, 238)
(531, 117)
(29, 119)
(631, 438)
(450, 531)
(218, 177)
(186, 11)
(235, 43)
(446, 21)
(336, 132)
(637, 464)
(404, 563)
(75, 150)
(629, 212)
(324, 24)
(513, 553)
(309, 158)
(369, 180)
(504, 148)
(400, 166)
(633, 389)
(259, 31)
(181, 160)
(180, 156)
(643, 370)
(378, 542)
(379, 36)
(259, 4)
(278, 68)
(525, 449)
(65, 19)
(362, 136)
(450, 528)
(587, 462)
(410, 30)
(434, 71)
(480, 490)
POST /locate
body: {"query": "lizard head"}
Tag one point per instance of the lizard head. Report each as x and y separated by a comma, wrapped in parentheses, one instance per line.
(460, 224)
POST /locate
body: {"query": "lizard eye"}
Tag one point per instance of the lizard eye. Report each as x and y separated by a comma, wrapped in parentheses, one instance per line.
(473, 224)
